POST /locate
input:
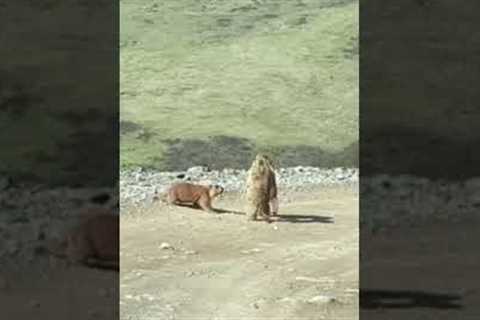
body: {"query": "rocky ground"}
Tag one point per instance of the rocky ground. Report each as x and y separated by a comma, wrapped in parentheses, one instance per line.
(386, 200)
(320, 223)
(403, 200)
(213, 254)
(139, 186)
(181, 263)
(32, 283)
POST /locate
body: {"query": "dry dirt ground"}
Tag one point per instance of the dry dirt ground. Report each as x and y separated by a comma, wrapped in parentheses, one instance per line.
(76, 293)
(425, 272)
(220, 266)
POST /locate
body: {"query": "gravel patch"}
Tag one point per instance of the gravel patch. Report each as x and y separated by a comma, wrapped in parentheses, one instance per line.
(140, 186)
(390, 201)
(385, 201)
(31, 216)
(34, 216)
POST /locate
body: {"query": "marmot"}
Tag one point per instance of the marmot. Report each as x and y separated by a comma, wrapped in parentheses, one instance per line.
(197, 195)
(261, 190)
(94, 242)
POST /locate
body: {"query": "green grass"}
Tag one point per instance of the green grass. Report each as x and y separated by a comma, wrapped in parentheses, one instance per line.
(278, 73)
(56, 122)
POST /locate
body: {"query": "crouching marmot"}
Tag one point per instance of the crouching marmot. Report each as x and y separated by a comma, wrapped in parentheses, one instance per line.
(94, 242)
(261, 190)
(193, 194)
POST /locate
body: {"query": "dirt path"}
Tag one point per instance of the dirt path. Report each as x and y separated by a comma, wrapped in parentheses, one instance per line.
(424, 272)
(222, 267)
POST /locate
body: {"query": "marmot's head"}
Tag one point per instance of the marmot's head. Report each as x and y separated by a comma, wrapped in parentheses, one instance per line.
(264, 161)
(215, 190)
(261, 164)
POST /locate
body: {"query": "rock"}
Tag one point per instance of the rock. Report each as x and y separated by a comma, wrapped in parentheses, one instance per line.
(321, 299)
(165, 246)
(308, 279)
(353, 291)
(198, 169)
(148, 297)
(259, 303)
(251, 251)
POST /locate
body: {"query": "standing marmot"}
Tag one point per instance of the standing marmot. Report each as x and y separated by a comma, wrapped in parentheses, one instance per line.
(261, 189)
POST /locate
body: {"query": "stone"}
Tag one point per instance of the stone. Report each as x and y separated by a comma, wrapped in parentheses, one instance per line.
(321, 299)
(165, 246)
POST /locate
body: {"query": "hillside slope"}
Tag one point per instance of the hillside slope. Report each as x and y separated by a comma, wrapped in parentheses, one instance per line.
(201, 80)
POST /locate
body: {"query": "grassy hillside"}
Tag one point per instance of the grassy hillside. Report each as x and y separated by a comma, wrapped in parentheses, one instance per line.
(206, 81)
(57, 119)
(419, 89)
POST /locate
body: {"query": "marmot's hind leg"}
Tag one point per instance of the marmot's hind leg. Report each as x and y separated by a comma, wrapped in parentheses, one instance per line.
(251, 212)
(264, 211)
(274, 206)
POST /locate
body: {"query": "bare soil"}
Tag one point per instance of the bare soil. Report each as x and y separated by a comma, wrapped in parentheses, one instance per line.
(423, 272)
(182, 263)
(59, 292)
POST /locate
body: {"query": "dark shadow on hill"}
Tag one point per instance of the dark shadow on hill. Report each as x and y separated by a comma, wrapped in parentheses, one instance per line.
(221, 152)
(393, 299)
(81, 147)
(403, 150)
(217, 153)
(295, 218)
(136, 130)
(16, 97)
(85, 152)
(79, 159)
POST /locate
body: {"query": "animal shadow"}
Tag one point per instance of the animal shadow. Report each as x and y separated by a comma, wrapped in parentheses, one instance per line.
(388, 299)
(227, 211)
(298, 218)
(216, 210)
(187, 205)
